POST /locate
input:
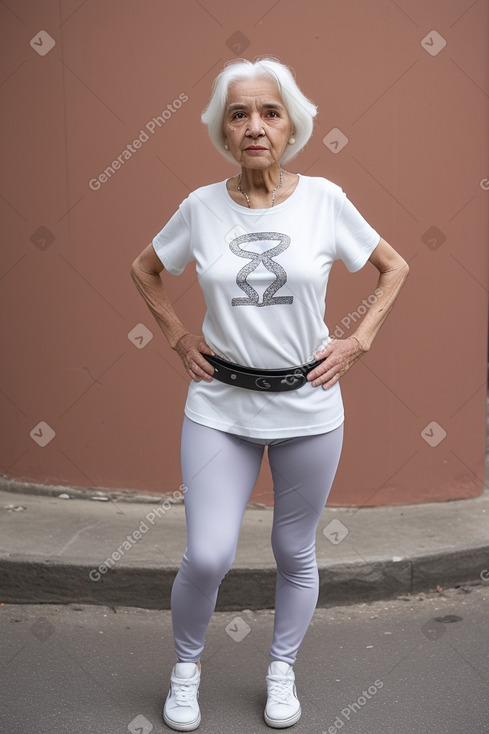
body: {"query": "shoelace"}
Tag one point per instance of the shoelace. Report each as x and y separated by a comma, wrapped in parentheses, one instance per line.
(184, 693)
(280, 689)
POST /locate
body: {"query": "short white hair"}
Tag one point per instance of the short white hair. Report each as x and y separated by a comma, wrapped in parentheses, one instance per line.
(300, 109)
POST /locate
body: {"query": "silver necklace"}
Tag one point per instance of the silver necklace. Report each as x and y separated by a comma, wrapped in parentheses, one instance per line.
(273, 192)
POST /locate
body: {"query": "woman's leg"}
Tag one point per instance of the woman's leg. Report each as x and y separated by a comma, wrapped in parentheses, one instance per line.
(220, 471)
(303, 470)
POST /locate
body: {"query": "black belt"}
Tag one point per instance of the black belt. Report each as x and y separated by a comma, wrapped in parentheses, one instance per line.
(262, 380)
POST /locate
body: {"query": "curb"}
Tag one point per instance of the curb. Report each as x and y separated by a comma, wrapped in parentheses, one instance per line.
(17, 486)
(29, 581)
(49, 547)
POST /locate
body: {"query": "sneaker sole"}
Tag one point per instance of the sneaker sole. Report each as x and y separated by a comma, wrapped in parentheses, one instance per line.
(177, 726)
(283, 723)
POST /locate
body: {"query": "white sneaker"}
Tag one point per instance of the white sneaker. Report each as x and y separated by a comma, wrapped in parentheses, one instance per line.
(283, 708)
(181, 710)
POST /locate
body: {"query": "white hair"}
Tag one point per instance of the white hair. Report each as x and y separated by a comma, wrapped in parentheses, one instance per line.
(300, 109)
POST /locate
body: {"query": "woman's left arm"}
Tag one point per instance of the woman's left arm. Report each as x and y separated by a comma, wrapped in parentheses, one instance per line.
(341, 354)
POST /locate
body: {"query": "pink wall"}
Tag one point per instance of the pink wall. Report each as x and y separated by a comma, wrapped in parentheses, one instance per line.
(415, 113)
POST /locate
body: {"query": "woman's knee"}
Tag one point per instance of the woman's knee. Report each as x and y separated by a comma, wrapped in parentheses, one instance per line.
(208, 566)
(294, 558)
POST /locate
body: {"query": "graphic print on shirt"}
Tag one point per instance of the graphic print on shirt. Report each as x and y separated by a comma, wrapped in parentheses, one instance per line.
(258, 258)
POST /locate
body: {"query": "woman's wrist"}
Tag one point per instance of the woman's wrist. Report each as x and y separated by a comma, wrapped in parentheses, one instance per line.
(174, 339)
(361, 342)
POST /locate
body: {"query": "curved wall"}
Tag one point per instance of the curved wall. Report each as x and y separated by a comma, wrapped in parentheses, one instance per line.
(91, 394)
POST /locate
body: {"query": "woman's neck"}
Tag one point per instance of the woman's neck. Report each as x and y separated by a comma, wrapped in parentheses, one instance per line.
(256, 181)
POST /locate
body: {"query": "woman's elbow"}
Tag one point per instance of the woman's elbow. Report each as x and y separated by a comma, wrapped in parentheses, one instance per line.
(134, 268)
(401, 271)
(404, 267)
(147, 263)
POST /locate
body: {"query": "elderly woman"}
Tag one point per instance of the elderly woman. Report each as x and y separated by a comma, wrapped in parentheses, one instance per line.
(265, 370)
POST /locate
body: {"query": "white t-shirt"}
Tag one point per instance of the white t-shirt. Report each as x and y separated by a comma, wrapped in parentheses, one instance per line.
(264, 274)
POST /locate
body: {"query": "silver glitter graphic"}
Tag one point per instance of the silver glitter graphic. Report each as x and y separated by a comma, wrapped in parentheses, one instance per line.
(269, 299)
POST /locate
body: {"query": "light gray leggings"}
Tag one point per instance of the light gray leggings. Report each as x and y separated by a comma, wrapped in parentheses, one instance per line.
(220, 471)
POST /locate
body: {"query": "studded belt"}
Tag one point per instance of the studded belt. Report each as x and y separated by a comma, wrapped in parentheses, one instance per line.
(252, 378)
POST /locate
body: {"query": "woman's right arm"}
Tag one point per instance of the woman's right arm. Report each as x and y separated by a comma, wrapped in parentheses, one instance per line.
(145, 272)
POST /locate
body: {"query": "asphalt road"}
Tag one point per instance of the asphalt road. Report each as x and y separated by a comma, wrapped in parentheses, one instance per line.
(417, 665)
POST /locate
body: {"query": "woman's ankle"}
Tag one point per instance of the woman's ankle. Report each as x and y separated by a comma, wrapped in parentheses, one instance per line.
(197, 663)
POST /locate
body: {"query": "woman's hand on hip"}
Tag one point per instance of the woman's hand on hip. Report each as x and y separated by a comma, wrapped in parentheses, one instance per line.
(189, 348)
(339, 355)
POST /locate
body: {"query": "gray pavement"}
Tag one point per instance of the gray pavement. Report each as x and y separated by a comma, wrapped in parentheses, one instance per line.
(419, 665)
(57, 550)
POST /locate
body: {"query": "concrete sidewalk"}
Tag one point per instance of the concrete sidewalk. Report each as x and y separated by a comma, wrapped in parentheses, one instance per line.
(54, 549)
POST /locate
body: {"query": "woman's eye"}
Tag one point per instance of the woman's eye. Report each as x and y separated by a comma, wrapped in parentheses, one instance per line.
(235, 116)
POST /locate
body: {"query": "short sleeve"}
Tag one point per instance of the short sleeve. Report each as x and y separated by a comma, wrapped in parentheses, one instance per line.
(172, 244)
(355, 239)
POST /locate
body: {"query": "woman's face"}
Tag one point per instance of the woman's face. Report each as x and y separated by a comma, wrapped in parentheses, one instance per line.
(256, 125)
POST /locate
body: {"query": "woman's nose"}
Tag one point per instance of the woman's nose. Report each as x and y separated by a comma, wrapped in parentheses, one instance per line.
(255, 126)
